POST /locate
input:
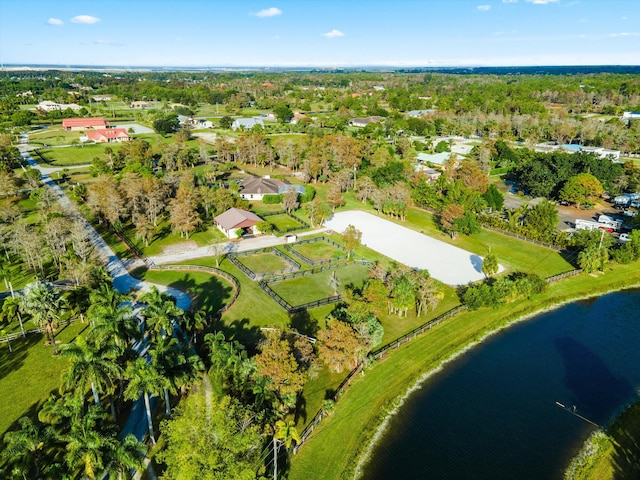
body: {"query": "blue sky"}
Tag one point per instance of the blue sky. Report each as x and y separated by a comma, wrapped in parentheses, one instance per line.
(320, 32)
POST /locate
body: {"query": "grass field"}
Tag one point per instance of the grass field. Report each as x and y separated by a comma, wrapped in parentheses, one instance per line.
(265, 262)
(283, 222)
(301, 290)
(318, 251)
(209, 293)
(76, 155)
(373, 395)
(30, 373)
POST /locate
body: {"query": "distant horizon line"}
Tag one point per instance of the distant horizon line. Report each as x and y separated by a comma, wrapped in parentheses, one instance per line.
(301, 67)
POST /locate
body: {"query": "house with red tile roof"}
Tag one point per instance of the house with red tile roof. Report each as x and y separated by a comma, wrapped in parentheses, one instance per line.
(84, 123)
(108, 135)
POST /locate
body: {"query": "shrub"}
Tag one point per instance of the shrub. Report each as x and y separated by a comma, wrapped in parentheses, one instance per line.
(308, 195)
(272, 199)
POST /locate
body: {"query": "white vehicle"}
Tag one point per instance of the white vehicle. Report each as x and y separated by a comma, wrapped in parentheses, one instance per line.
(624, 238)
(591, 225)
(610, 222)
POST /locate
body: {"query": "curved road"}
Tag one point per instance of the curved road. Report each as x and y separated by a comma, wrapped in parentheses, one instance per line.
(122, 281)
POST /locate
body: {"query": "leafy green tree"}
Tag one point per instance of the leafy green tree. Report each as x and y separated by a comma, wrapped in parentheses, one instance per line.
(283, 112)
(166, 125)
(226, 121)
(211, 438)
(45, 305)
(490, 264)
(543, 219)
(493, 197)
(26, 448)
(581, 189)
(339, 347)
(593, 258)
(352, 238)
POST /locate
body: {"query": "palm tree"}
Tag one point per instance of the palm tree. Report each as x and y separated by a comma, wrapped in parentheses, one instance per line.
(104, 297)
(45, 305)
(144, 380)
(92, 365)
(286, 433)
(11, 309)
(160, 312)
(87, 444)
(114, 323)
(194, 323)
(169, 360)
(125, 454)
(25, 447)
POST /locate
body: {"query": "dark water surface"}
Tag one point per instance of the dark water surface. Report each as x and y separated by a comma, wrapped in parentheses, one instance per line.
(491, 414)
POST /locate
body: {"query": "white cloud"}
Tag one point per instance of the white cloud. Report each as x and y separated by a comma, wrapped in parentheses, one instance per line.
(269, 12)
(333, 34)
(625, 34)
(55, 21)
(623, 18)
(509, 1)
(541, 2)
(85, 19)
(484, 8)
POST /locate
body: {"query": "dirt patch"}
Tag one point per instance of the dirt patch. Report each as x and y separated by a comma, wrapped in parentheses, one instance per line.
(175, 248)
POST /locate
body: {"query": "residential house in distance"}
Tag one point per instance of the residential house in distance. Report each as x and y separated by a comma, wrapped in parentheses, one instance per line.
(435, 158)
(140, 104)
(431, 174)
(75, 124)
(297, 117)
(49, 106)
(254, 188)
(420, 113)
(101, 98)
(235, 219)
(631, 115)
(108, 135)
(246, 123)
(363, 122)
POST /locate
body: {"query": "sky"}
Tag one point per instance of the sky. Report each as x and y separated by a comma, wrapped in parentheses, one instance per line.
(327, 33)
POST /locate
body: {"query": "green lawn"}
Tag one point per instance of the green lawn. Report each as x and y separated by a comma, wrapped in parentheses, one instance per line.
(301, 290)
(54, 136)
(30, 373)
(208, 292)
(283, 222)
(318, 251)
(265, 262)
(76, 155)
(371, 396)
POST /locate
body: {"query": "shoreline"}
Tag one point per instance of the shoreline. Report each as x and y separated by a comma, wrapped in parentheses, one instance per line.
(364, 457)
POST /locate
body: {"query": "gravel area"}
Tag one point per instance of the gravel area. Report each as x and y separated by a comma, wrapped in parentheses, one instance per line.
(449, 264)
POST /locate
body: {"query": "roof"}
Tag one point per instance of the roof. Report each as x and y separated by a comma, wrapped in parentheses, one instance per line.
(84, 122)
(366, 121)
(418, 113)
(109, 133)
(437, 158)
(261, 185)
(247, 123)
(236, 218)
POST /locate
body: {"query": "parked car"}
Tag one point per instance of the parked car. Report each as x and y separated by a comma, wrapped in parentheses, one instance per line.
(623, 238)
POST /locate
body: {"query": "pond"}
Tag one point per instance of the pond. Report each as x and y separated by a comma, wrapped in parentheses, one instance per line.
(492, 413)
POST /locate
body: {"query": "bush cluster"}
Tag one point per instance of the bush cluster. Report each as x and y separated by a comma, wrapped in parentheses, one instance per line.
(496, 292)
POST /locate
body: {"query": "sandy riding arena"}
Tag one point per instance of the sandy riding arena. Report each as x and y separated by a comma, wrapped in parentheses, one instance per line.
(449, 264)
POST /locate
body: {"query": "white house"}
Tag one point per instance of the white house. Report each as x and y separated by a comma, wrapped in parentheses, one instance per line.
(420, 113)
(435, 158)
(246, 123)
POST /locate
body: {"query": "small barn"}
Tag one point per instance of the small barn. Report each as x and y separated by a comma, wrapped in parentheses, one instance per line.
(235, 219)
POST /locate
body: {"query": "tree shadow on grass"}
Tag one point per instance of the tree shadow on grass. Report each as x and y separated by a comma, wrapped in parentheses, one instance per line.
(303, 323)
(12, 361)
(208, 297)
(625, 432)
